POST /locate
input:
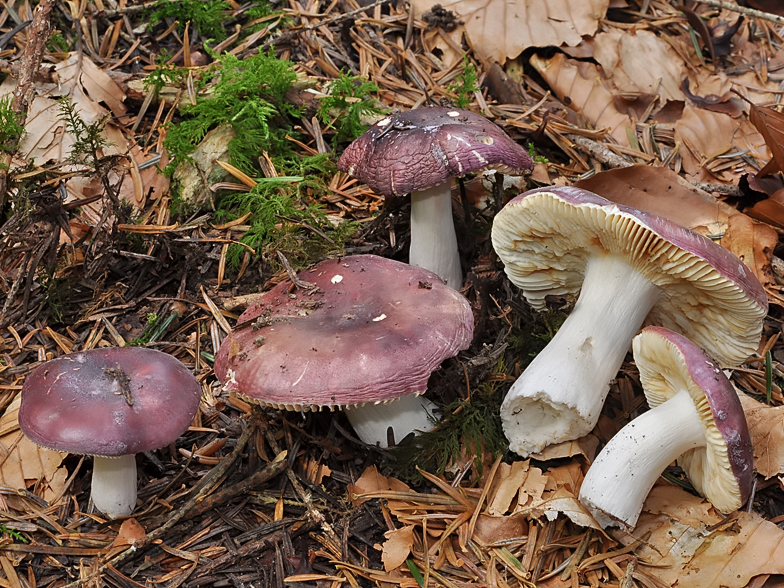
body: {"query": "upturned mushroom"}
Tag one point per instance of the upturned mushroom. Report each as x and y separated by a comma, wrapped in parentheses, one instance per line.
(630, 268)
(695, 418)
(111, 403)
(364, 338)
(418, 152)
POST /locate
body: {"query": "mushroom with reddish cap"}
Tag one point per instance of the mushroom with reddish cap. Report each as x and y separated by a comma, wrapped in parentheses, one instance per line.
(695, 417)
(630, 268)
(370, 331)
(110, 403)
(418, 152)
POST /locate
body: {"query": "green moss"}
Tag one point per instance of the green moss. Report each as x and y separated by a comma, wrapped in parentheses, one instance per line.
(350, 99)
(207, 16)
(465, 84)
(11, 131)
(469, 427)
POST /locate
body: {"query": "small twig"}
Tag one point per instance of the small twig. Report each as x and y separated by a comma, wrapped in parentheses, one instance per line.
(302, 284)
(744, 10)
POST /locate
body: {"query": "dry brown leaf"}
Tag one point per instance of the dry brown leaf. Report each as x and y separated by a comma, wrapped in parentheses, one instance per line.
(639, 63)
(766, 425)
(753, 243)
(130, 532)
(372, 481)
(770, 210)
(78, 75)
(579, 86)
(770, 123)
(501, 29)
(492, 528)
(584, 446)
(685, 553)
(509, 479)
(703, 135)
(24, 462)
(397, 547)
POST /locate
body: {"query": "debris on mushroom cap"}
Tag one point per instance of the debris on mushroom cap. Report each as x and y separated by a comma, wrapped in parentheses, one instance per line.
(723, 470)
(374, 335)
(545, 236)
(418, 149)
(109, 402)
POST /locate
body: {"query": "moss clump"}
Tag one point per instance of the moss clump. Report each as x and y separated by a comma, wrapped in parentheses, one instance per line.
(207, 16)
(470, 428)
(349, 102)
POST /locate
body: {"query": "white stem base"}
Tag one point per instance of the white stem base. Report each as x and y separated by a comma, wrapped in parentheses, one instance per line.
(433, 238)
(560, 394)
(406, 415)
(624, 472)
(114, 485)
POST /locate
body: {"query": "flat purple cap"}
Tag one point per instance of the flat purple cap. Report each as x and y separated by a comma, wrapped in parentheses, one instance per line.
(545, 237)
(722, 471)
(418, 149)
(109, 402)
(373, 331)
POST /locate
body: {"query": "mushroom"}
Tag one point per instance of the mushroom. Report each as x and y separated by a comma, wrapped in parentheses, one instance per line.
(695, 417)
(419, 151)
(630, 268)
(365, 337)
(110, 403)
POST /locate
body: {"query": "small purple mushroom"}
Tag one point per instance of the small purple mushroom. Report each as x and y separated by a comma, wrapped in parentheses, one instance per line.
(695, 417)
(110, 403)
(418, 152)
(365, 338)
(629, 268)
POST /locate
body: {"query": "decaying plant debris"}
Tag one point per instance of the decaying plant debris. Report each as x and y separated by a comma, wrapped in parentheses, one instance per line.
(98, 248)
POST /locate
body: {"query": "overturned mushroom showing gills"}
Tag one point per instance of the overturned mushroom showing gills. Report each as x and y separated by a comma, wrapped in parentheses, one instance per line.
(695, 417)
(418, 152)
(630, 268)
(110, 403)
(370, 332)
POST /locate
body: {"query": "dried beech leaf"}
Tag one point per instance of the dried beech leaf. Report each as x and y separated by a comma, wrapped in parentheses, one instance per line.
(771, 124)
(584, 446)
(640, 63)
(130, 532)
(397, 547)
(684, 552)
(579, 86)
(493, 528)
(753, 243)
(372, 481)
(24, 462)
(766, 425)
(703, 135)
(501, 29)
(770, 210)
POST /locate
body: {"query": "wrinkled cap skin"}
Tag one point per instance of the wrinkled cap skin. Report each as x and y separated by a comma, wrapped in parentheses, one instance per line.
(545, 237)
(374, 331)
(669, 362)
(418, 149)
(75, 403)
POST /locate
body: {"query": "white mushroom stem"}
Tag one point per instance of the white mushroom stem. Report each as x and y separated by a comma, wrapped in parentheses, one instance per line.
(408, 414)
(560, 394)
(433, 238)
(114, 485)
(626, 469)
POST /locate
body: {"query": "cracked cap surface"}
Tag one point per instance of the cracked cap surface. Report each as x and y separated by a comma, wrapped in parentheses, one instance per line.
(418, 149)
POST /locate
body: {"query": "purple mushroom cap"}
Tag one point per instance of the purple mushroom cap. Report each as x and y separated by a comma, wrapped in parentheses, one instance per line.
(703, 378)
(109, 402)
(372, 330)
(418, 149)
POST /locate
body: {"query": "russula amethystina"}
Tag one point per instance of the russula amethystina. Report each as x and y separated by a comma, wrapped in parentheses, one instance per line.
(369, 332)
(695, 417)
(111, 403)
(630, 268)
(418, 152)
